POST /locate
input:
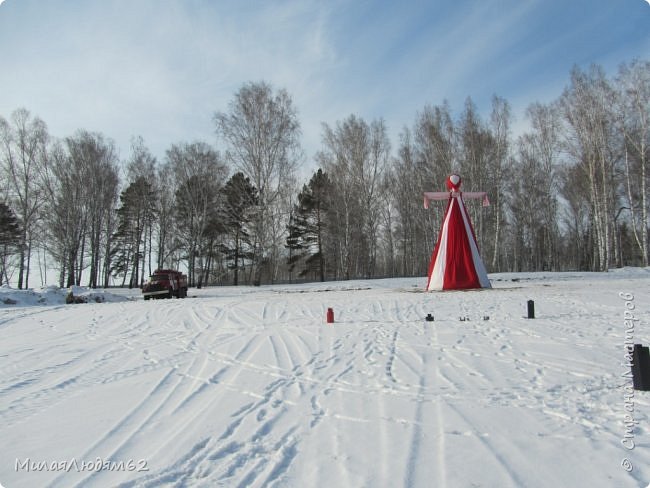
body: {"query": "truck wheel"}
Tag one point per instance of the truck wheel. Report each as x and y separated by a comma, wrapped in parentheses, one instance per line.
(147, 297)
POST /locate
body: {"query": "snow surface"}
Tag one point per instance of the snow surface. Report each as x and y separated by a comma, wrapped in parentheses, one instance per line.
(249, 386)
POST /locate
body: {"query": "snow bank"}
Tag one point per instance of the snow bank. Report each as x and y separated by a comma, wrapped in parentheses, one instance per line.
(53, 295)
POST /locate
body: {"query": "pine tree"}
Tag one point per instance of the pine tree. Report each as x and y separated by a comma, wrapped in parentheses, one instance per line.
(294, 241)
(137, 210)
(10, 235)
(308, 225)
(240, 198)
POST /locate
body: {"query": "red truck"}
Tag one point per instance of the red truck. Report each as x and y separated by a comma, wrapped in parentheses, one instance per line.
(165, 283)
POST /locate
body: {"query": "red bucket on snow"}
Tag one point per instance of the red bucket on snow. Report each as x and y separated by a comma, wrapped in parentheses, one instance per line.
(330, 315)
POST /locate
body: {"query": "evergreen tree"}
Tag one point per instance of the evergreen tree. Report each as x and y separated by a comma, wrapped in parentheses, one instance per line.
(240, 199)
(308, 225)
(10, 238)
(294, 241)
(137, 210)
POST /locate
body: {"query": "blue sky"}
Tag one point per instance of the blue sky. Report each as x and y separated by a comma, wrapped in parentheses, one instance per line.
(161, 68)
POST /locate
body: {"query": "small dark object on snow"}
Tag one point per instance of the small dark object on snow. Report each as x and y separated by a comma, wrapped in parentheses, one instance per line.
(464, 319)
(641, 368)
(486, 317)
(72, 298)
(429, 318)
(531, 309)
(329, 316)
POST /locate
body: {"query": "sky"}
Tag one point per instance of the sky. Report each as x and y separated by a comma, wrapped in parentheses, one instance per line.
(160, 69)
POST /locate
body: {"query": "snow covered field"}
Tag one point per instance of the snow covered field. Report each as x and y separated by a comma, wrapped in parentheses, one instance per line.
(250, 387)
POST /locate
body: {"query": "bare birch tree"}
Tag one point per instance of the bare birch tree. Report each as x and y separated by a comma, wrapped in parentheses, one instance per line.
(165, 222)
(142, 164)
(200, 174)
(587, 106)
(358, 154)
(406, 190)
(534, 189)
(84, 190)
(435, 143)
(436, 157)
(500, 127)
(634, 122)
(80, 188)
(23, 150)
(476, 149)
(262, 134)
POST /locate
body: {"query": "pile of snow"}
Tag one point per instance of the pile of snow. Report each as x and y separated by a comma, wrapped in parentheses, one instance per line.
(54, 295)
(249, 386)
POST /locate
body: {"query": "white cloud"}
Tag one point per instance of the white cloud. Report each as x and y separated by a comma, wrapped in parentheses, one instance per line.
(161, 70)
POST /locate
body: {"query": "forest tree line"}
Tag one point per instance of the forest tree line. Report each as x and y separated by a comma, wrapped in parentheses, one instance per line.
(571, 193)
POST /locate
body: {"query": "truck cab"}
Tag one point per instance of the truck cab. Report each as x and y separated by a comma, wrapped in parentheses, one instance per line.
(165, 283)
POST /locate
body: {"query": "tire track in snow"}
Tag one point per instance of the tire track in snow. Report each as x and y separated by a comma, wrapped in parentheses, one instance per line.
(384, 440)
(441, 462)
(53, 385)
(128, 426)
(504, 464)
(190, 347)
(335, 440)
(415, 464)
(287, 354)
(74, 369)
(190, 351)
(8, 316)
(233, 454)
(331, 384)
(190, 465)
(151, 412)
(240, 459)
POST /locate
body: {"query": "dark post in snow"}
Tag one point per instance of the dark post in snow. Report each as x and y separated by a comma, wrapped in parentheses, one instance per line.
(641, 368)
(531, 309)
